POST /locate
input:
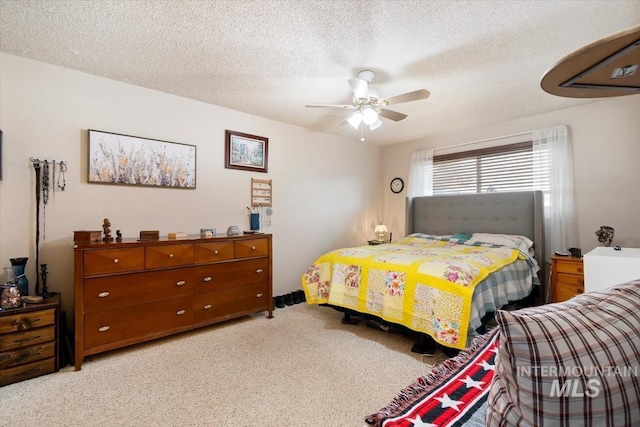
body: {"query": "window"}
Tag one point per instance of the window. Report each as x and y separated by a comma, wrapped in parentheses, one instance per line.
(494, 169)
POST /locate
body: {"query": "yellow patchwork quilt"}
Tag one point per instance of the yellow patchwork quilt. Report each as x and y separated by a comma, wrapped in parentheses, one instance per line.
(426, 285)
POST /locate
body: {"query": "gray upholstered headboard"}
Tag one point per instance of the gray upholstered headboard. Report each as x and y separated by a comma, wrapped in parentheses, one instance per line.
(505, 213)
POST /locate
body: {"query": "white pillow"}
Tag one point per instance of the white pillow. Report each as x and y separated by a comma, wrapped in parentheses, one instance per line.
(511, 240)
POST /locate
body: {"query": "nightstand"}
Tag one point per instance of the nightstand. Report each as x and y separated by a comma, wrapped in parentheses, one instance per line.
(29, 341)
(567, 277)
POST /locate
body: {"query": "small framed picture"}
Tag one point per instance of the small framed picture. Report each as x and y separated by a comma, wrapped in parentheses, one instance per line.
(245, 152)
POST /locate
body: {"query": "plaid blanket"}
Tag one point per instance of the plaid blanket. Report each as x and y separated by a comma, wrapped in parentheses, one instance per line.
(453, 394)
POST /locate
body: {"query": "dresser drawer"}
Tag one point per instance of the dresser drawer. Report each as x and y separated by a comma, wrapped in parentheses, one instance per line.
(251, 248)
(229, 275)
(27, 371)
(570, 279)
(27, 354)
(26, 338)
(107, 293)
(213, 252)
(569, 267)
(113, 261)
(168, 256)
(111, 326)
(226, 302)
(24, 321)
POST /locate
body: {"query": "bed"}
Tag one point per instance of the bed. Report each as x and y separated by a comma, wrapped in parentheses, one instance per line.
(571, 363)
(435, 281)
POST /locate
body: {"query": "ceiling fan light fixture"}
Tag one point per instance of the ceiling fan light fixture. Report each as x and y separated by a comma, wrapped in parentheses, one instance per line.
(375, 125)
(355, 119)
(369, 115)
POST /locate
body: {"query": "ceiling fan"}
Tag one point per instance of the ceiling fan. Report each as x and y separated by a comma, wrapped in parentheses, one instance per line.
(368, 105)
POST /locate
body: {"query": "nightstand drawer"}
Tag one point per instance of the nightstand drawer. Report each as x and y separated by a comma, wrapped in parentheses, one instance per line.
(24, 355)
(25, 321)
(565, 292)
(570, 267)
(570, 279)
(28, 337)
(27, 371)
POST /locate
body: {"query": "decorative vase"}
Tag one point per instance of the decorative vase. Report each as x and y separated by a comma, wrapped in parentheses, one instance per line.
(21, 278)
(255, 222)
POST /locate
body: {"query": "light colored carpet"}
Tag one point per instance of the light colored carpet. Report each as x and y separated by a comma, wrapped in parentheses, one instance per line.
(301, 368)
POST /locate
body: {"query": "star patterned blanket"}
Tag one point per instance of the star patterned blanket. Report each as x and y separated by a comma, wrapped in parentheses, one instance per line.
(425, 284)
(453, 394)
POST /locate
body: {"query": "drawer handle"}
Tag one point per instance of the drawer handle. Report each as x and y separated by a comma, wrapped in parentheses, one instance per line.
(579, 270)
(25, 323)
(29, 372)
(116, 260)
(103, 328)
(207, 307)
(103, 294)
(27, 339)
(170, 255)
(181, 312)
(181, 282)
(215, 252)
(207, 279)
(253, 248)
(24, 356)
(259, 270)
(258, 295)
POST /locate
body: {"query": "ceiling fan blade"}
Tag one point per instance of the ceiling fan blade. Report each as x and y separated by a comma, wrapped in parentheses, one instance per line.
(406, 97)
(344, 107)
(392, 115)
(360, 88)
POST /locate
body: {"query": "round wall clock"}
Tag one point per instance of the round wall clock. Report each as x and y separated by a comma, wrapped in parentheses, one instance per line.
(397, 184)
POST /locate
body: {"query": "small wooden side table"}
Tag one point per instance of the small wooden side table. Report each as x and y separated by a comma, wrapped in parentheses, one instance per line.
(567, 277)
(30, 341)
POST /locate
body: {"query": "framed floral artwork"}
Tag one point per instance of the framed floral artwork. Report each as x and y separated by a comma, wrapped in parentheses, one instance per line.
(131, 160)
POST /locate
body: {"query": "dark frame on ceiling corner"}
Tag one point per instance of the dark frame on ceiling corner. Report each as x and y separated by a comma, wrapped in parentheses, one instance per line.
(245, 152)
(131, 160)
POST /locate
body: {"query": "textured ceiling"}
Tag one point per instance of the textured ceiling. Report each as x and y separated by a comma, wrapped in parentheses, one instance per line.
(482, 61)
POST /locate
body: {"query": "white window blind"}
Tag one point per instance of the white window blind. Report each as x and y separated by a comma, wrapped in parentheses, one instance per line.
(495, 169)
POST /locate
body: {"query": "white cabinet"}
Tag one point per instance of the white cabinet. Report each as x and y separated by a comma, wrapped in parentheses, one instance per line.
(605, 267)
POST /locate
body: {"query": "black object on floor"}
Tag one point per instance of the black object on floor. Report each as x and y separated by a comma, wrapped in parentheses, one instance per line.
(302, 297)
(425, 345)
(288, 299)
(296, 297)
(279, 301)
(450, 352)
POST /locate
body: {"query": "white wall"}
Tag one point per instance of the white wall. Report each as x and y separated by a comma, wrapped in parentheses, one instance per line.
(605, 137)
(325, 188)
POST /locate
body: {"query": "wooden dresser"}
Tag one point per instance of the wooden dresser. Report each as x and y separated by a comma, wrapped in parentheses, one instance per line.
(133, 291)
(567, 277)
(30, 341)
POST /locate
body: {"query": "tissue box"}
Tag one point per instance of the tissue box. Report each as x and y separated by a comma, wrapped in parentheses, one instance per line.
(207, 232)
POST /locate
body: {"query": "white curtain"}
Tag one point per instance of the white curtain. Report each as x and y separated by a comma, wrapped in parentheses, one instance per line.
(421, 174)
(553, 173)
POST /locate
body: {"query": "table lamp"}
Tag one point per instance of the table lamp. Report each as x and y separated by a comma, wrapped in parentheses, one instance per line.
(380, 230)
